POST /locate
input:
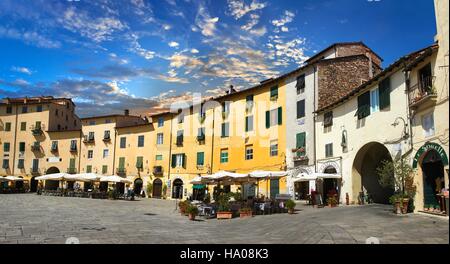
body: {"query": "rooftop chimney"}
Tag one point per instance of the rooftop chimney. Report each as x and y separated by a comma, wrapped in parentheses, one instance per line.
(231, 89)
(127, 112)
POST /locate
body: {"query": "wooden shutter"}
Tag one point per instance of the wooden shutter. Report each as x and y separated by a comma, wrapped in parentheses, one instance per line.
(301, 140)
(184, 161)
(121, 162)
(267, 119)
(174, 161)
(72, 163)
(300, 108)
(280, 114)
(363, 105)
(384, 90)
(200, 158)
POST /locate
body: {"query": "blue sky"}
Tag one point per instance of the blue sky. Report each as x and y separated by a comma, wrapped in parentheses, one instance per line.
(109, 55)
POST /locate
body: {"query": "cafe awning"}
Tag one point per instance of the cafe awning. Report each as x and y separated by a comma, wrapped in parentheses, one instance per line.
(267, 174)
(199, 186)
(327, 175)
(304, 177)
(114, 178)
(13, 178)
(53, 177)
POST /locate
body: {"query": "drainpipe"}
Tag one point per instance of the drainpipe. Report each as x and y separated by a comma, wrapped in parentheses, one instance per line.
(408, 113)
(15, 141)
(116, 134)
(314, 119)
(212, 143)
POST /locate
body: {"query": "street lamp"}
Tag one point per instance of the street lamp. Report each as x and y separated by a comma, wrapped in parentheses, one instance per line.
(404, 136)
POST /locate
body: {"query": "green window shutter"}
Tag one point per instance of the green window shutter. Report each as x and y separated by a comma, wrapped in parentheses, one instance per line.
(246, 124)
(104, 169)
(363, 105)
(22, 146)
(174, 161)
(121, 162)
(89, 168)
(301, 140)
(223, 130)
(139, 162)
(274, 91)
(6, 147)
(267, 119)
(72, 163)
(384, 93)
(280, 115)
(200, 158)
(184, 161)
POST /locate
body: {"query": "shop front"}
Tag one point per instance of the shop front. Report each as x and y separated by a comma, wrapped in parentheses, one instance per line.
(431, 162)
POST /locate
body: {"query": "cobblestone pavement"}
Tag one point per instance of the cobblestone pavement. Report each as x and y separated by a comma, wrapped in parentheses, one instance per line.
(29, 218)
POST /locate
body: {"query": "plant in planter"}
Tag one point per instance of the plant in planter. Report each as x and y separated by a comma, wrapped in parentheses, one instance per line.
(149, 189)
(164, 191)
(192, 211)
(224, 209)
(290, 205)
(332, 201)
(112, 194)
(182, 205)
(245, 212)
(399, 175)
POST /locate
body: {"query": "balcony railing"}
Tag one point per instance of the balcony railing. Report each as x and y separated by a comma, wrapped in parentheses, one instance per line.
(121, 171)
(106, 138)
(35, 170)
(157, 170)
(72, 170)
(73, 149)
(36, 146)
(88, 139)
(37, 131)
(422, 92)
(299, 154)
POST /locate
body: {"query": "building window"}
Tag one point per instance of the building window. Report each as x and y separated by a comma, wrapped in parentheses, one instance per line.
(274, 117)
(300, 85)
(159, 157)
(328, 119)
(123, 142)
(178, 160)
(105, 153)
(384, 90)
(6, 146)
(121, 168)
(35, 166)
(329, 150)
(201, 134)
(73, 145)
(300, 108)
(23, 126)
(374, 101)
(21, 164)
(140, 141)
(274, 93)
(179, 140)
(39, 108)
(91, 136)
(90, 154)
(9, 109)
(223, 155)
(159, 138)
(225, 107)
(300, 144)
(428, 124)
(5, 164)
(24, 109)
(104, 169)
(140, 162)
(160, 121)
(363, 105)
(92, 123)
(107, 134)
(7, 126)
(88, 168)
(249, 152)
(56, 112)
(180, 118)
(54, 145)
(248, 123)
(249, 103)
(273, 148)
(225, 130)
(22, 147)
(200, 158)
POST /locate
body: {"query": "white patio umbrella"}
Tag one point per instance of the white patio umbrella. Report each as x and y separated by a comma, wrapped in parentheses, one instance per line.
(53, 176)
(89, 176)
(261, 174)
(13, 178)
(197, 180)
(114, 178)
(3, 179)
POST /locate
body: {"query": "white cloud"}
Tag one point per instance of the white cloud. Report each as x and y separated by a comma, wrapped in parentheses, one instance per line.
(238, 8)
(97, 29)
(284, 29)
(287, 18)
(167, 27)
(204, 21)
(194, 51)
(22, 70)
(29, 37)
(254, 19)
(287, 51)
(173, 44)
(259, 31)
(138, 49)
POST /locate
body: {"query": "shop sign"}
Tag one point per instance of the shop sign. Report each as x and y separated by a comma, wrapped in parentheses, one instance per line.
(425, 148)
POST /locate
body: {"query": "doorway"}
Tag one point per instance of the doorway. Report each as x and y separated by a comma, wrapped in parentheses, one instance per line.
(33, 184)
(177, 189)
(138, 183)
(433, 178)
(157, 188)
(301, 190)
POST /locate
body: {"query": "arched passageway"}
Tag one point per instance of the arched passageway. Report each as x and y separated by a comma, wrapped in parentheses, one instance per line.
(177, 189)
(51, 184)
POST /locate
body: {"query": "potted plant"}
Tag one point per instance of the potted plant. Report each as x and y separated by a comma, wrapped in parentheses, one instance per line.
(224, 209)
(332, 201)
(290, 204)
(149, 189)
(245, 212)
(183, 206)
(398, 174)
(112, 194)
(192, 211)
(164, 191)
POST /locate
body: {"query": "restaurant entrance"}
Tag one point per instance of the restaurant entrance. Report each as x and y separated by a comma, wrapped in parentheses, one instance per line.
(177, 189)
(433, 178)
